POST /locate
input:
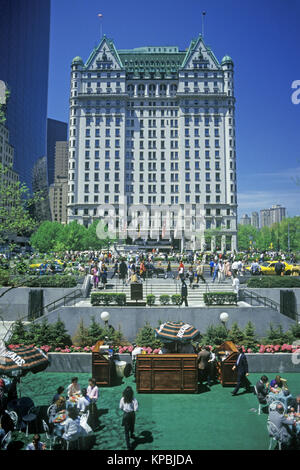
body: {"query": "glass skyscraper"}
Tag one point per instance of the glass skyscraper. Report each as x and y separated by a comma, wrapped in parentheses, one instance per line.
(57, 131)
(24, 63)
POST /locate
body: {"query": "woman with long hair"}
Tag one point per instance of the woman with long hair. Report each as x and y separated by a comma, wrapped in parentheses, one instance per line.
(129, 405)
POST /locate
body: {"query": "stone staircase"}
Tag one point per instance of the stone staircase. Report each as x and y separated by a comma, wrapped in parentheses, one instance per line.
(158, 287)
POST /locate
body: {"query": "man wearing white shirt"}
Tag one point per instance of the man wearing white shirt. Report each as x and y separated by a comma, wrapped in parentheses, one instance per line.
(83, 402)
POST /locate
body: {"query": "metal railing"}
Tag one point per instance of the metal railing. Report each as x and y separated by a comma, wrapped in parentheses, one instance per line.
(250, 296)
(61, 302)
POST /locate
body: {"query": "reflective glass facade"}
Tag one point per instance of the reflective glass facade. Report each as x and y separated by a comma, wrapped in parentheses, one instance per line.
(24, 63)
(57, 131)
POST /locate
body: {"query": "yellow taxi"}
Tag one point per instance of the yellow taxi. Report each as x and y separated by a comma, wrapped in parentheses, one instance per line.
(37, 265)
(268, 267)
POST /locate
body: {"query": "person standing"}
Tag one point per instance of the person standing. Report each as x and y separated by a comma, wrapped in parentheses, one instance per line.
(203, 365)
(123, 270)
(279, 268)
(129, 405)
(184, 293)
(199, 272)
(241, 366)
(211, 265)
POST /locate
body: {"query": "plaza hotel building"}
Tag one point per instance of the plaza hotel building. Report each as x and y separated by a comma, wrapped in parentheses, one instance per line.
(155, 126)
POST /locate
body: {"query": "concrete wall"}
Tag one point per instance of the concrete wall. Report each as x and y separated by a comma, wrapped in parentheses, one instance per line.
(274, 294)
(260, 363)
(14, 304)
(131, 319)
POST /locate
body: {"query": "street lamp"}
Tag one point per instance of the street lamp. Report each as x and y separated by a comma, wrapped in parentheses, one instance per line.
(105, 317)
(224, 318)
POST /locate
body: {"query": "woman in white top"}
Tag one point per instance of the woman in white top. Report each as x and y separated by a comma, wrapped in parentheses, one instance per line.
(129, 405)
(74, 387)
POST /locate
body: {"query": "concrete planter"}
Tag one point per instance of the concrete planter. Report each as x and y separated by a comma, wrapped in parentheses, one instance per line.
(279, 363)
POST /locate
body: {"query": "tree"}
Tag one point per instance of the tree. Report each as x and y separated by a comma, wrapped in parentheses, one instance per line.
(45, 238)
(247, 233)
(15, 205)
(235, 334)
(146, 337)
(81, 335)
(250, 340)
(59, 337)
(72, 236)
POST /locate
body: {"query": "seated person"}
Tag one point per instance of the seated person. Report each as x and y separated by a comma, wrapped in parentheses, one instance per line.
(262, 389)
(295, 403)
(83, 402)
(278, 382)
(36, 444)
(72, 428)
(59, 405)
(74, 387)
(58, 394)
(285, 432)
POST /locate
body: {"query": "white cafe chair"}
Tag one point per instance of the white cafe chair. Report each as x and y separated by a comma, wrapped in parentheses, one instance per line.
(273, 405)
(274, 434)
(14, 417)
(6, 440)
(259, 404)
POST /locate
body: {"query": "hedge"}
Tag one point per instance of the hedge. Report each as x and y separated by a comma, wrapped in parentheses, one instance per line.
(220, 298)
(274, 281)
(176, 299)
(150, 299)
(107, 298)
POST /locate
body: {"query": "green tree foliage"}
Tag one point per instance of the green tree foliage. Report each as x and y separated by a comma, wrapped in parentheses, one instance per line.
(81, 336)
(215, 335)
(249, 339)
(235, 334)
(45, 238)
(15, 216)
(53, 236)
(146, 337)
(41, 334)
(279, 236)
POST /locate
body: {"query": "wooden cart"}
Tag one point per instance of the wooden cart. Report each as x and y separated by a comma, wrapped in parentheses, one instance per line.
(227, 354)
(167, 373)
(102, 367)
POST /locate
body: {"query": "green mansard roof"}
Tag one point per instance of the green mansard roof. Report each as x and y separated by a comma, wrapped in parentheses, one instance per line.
(152, 59)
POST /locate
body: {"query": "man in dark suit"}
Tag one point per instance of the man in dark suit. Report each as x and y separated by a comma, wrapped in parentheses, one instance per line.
(203, 364)
(262, 390)
(184, 293)
(242, 372)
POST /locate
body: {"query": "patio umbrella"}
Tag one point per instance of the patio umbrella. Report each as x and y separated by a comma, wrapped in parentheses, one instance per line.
(18, 361)
(178, 332)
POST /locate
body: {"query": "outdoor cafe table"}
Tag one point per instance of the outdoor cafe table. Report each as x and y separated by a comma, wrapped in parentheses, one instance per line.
(59, 422)
(73, 400)
(280, 396)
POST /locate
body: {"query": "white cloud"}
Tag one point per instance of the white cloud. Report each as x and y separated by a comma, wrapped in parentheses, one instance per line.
(253, 200)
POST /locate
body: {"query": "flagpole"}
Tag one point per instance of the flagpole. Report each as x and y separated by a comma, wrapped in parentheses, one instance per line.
(203, 15)
(100, 16)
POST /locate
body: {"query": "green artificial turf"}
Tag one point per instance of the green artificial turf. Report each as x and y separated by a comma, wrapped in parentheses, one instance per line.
(210, 419)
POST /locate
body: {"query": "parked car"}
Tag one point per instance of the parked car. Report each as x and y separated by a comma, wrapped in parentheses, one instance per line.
(268, 267)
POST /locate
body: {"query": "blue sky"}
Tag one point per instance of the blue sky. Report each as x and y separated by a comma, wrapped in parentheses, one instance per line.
(262, 37)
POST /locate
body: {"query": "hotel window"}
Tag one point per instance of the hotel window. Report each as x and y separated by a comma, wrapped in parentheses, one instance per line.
(86, 188)
(87, 154)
